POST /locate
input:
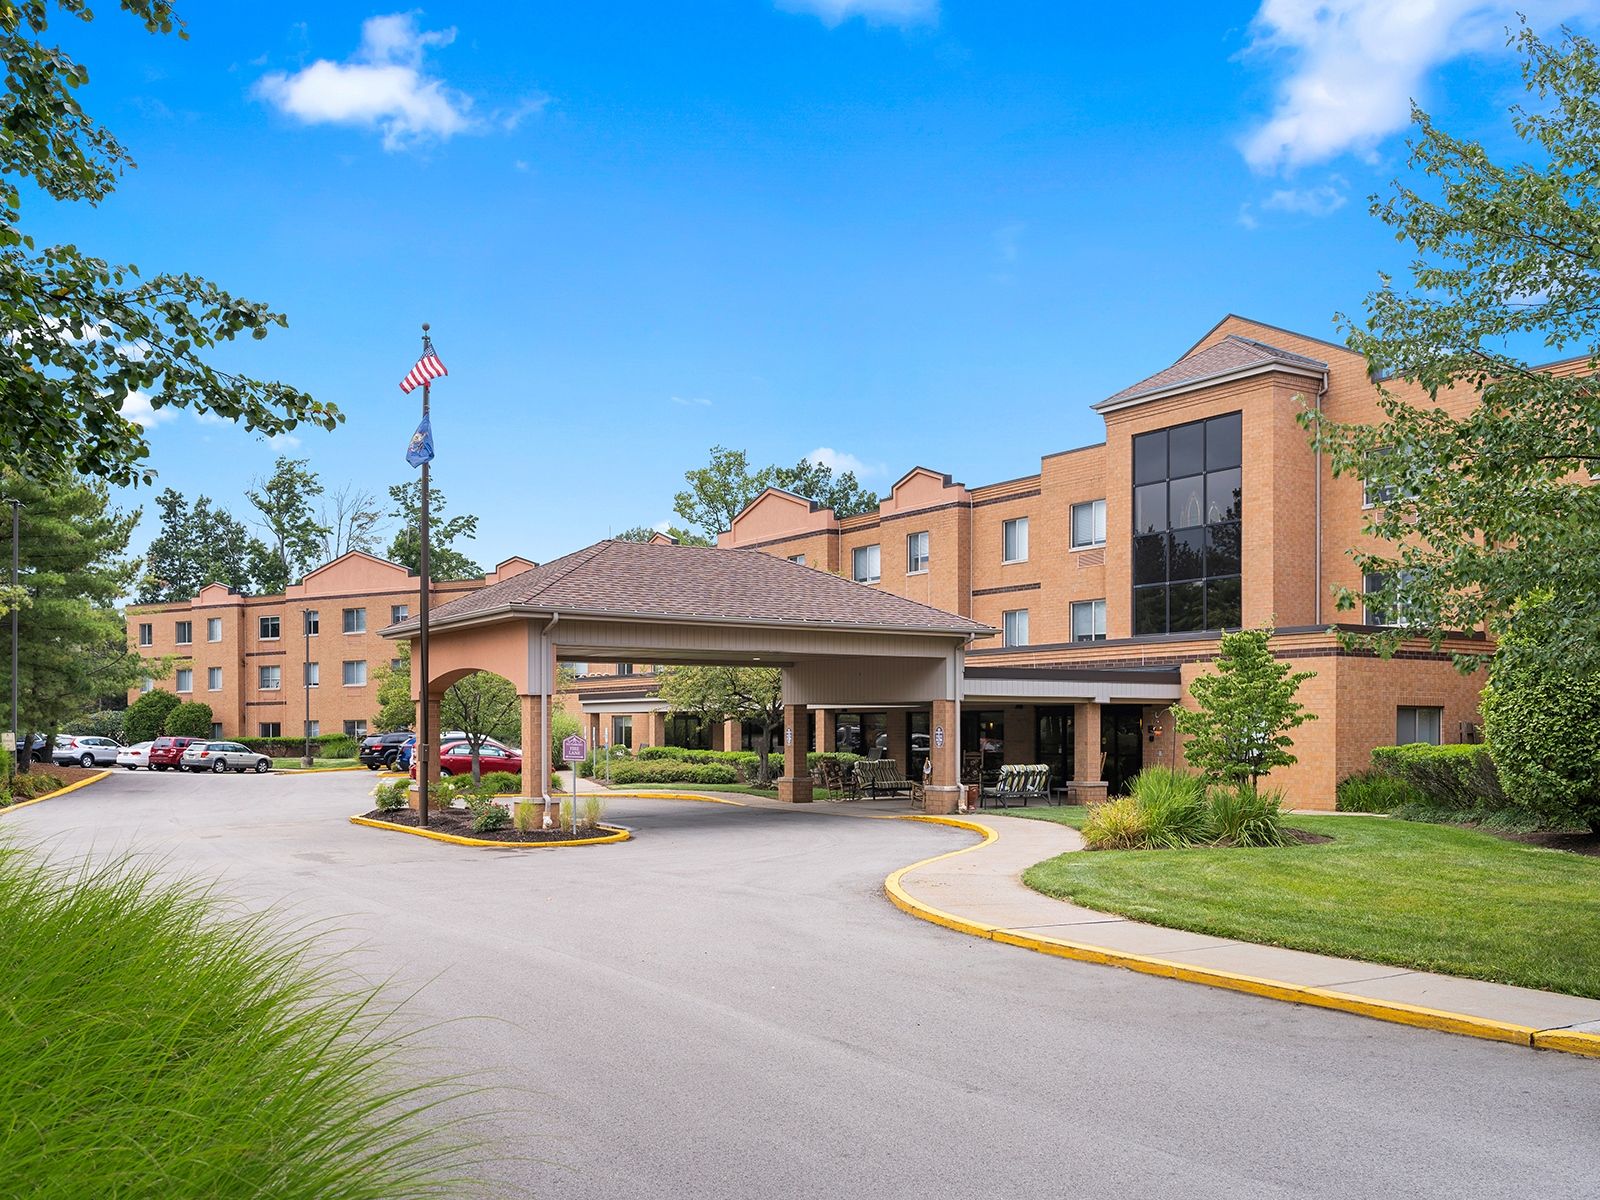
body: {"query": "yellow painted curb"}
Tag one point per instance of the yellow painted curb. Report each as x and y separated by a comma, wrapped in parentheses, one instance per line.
(71, 787)
(618, 834)
(649, 795)
(1571, 1042)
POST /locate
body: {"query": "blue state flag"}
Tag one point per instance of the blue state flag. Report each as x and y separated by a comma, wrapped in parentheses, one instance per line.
(421, 448)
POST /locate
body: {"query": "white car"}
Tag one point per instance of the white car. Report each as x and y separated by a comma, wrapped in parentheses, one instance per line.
(224, 756)
(84, 751)
(135, 756)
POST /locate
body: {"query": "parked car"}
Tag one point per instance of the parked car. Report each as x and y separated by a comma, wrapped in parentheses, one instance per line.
(168, 752)
(455, 758)
(84, 751)
(402, 761)
(381, 749)
(38, 748)
(135, 756)
(224, 756)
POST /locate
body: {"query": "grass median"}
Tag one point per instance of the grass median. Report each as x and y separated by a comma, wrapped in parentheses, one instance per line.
(1429, 897)
(317, 764)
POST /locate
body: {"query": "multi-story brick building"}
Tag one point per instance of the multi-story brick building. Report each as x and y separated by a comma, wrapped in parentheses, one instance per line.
(1111, 570)
(251, 658)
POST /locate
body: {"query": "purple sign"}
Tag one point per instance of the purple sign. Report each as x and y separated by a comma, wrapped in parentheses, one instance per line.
(573, 749)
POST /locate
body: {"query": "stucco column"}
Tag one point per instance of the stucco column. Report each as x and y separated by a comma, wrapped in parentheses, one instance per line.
(944, 793)
(795, 786)
(655, 729)
(533, 741)
(827, 728)
(1087, 785)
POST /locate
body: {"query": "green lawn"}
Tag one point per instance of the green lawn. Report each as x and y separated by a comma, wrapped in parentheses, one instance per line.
(1432, 897)
(293, 764)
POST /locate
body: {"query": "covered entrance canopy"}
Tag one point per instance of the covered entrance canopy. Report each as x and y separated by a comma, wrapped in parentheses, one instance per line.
(839, 644)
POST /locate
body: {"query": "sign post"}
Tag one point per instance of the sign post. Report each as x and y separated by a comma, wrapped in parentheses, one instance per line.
(573, 750)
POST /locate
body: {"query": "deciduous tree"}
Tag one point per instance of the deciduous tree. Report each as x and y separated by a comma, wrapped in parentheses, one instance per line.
(147, 716)
(395, 708)
(1244, 711)
(484, 705)
(353, 519)
(720, 490)
(1481, 511)
(445, 561)
(82, 340)
(293, 534)
(727, 694)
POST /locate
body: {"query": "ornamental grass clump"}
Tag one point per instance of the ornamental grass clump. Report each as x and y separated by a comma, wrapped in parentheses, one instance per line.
(1239, 815)
(594, 808)
(1116, 825)
(155, 1045)
(1174, 806)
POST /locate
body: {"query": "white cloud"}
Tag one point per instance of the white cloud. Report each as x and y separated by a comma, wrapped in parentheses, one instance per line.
(838, 461)
(692, 401)
(1316, 201)
(659, 526)
(1355, 66)
(136, 407)
(875, 12)
(383, 86)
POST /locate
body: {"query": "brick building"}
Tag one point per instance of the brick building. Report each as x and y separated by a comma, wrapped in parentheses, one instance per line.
(1108, 573)
(251, 657)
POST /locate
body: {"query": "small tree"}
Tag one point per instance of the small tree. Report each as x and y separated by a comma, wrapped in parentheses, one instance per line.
(483, 706)
(726, 694)
(192, 719)
(147, 716)
(1542, 724)
(1239, 729)
(395, 708)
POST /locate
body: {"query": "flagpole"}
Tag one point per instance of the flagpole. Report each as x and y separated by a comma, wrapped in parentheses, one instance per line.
(424, 756)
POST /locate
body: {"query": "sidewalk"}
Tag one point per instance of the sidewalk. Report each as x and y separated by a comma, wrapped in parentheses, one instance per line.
(979, 890)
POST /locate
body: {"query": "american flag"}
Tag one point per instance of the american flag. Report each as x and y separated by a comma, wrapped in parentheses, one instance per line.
(428, 367)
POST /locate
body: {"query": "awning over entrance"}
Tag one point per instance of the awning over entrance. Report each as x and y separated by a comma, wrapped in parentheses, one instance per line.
(1080, 685)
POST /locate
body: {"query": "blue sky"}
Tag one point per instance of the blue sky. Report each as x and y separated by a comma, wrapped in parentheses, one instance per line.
(901, 231)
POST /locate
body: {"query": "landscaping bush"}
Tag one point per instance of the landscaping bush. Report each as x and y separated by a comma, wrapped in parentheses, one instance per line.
(160, 1045)
(107, 722)
(1457, 778)
(1173, 804)
(1374, 791)
(500, 783)
(326, 745)
(1116, 825)
(671, 771)
(35, 784)
(147, 715)
(594, 808)
(487, 815)
(1239, 815)
(392, 795)
(190, 719)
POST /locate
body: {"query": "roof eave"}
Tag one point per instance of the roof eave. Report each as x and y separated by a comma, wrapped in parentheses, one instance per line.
(1189, 385)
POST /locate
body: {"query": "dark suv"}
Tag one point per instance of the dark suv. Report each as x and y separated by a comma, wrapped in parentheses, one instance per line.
(381, 749)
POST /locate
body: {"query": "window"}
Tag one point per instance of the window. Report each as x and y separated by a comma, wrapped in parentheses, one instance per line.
(216, 729)
(798, 560)
(270, 679)
(624, 668)
(916, 553)
(268, 627)
(1015, 627)
(148, 685)
(864, 564)
(355, 620)
(622, 731)
(399, 664)
(357, 728)
(213, 679)
(313, 622)
(1089, 524)
(1014, 540)
(185, 679)
(313, 674)
(183, 633)
(1373, 612)
(147, 634)
(1417, 725)
(398, 613)
(272, 729)
(313, 728)
(1089, 621)
(1186, 527)
(355, 674)
(1374, 493)
(213, 629)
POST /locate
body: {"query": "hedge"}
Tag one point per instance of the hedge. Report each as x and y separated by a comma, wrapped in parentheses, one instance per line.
(1461, 777)
(325, 745)
(672, 771)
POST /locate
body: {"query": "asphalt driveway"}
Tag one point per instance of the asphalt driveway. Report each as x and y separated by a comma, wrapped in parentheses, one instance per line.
(727, 1006)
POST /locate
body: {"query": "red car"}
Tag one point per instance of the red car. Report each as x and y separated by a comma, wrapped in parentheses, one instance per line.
(455, 758)
(168, 752)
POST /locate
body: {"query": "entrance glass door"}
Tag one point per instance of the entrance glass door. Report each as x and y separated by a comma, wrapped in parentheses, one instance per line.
(1122, 740)
(1054, 731)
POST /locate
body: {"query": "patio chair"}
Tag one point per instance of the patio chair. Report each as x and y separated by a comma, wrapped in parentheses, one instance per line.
(1006, 789)
(876, 775)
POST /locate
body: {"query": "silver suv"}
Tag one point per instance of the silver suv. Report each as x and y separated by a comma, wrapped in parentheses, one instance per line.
(84, 751)
(224, 756)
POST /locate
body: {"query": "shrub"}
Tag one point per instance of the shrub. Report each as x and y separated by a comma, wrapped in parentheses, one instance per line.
(326, 745)
(671, 771)
(1459, 778)
(1238, 815)
(107, 722)
(500, 783)
(1173, 804)
(190, 719)
(392, 795)
(163, 1046)
(35, 784)
(147, 715)
(1116, 825)
(1374, 791)
(487, 815)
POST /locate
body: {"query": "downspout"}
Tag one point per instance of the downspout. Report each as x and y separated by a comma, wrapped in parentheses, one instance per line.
(1316, 553)
(547, 670)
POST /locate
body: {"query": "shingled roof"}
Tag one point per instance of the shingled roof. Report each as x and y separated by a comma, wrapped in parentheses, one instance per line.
(1232, 355)
(698, 583)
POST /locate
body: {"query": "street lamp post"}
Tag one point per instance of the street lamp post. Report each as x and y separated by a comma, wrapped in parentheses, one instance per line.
(305, 672)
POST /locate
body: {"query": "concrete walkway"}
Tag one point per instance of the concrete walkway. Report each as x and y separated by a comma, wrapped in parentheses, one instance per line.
(981, 888)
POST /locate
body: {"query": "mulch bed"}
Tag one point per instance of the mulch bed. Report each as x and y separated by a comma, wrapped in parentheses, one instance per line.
(1304, 837)
(458, 823)
(1573, 843)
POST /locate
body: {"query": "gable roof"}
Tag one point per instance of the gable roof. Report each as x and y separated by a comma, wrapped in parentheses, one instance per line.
(1243, 320)
(1233, 355)
(698, 583)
